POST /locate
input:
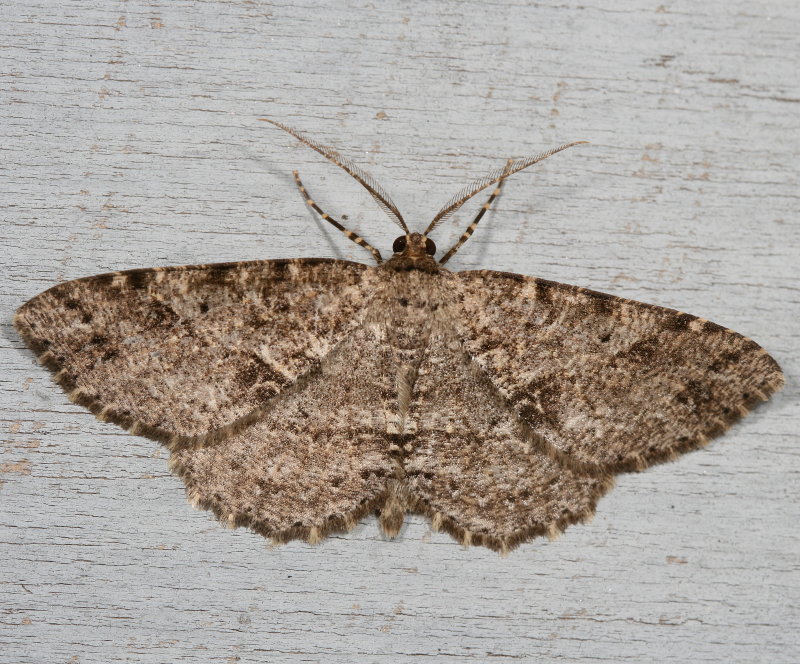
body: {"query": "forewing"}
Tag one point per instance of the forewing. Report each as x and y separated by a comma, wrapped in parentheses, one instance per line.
(178, 353)
(476, 470)
(606, 381)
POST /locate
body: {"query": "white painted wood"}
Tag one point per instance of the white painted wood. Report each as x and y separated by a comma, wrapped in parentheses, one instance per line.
(130, 138)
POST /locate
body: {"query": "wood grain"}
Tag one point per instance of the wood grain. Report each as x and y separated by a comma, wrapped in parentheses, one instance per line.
(131, 139)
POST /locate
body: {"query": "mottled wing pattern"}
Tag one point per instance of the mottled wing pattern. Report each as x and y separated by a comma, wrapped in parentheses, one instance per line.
(179, 353)
(313, 463)
(476, 470)
(606, 382)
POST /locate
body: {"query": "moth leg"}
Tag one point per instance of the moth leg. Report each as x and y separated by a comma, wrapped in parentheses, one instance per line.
(350, 235)
(471, 228)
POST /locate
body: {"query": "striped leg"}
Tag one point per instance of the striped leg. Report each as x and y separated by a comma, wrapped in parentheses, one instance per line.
(350, 235)
(471, 228)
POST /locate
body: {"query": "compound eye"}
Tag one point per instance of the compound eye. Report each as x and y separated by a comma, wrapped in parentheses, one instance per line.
(399, 244)
(430, 246)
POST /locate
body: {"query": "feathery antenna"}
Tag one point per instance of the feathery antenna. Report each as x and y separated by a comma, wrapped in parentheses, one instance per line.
(494, 177)
(356, 172)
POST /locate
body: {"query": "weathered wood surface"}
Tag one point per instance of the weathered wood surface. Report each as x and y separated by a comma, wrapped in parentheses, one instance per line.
(130, 139)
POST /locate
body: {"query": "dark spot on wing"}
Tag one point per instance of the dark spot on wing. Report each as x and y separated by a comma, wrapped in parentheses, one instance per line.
(544, 291)
(642, 351)
(678, 322)
(724, 361)
(693, 394)
(279, 269)
(138, 279)
(109, 355)
(217, 274)
(281, 305)
(542, 403)
(602, 304)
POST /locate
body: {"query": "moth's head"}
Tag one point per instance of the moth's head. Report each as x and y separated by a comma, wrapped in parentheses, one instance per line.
(413, 251)
(414, 245)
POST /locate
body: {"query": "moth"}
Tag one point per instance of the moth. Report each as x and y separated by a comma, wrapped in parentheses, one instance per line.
(296, 396)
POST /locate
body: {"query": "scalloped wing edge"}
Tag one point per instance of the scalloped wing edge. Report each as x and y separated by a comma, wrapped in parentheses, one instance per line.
(714, 429)
(103, 412)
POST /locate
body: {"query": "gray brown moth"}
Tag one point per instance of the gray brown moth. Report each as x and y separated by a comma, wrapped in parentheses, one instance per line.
(296, 396)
